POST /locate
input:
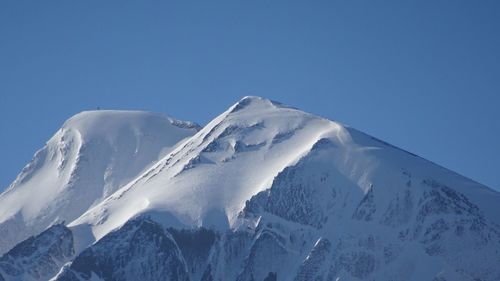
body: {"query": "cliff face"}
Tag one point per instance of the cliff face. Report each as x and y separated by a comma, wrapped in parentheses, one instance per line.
(39, 257)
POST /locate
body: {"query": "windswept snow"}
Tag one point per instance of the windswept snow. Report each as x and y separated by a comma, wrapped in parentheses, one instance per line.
(89, 158)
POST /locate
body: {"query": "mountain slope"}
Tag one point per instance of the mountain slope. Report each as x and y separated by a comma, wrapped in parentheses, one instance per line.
(89, 158)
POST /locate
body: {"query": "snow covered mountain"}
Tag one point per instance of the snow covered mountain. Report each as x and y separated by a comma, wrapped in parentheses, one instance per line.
(262, 192)
(88, 159)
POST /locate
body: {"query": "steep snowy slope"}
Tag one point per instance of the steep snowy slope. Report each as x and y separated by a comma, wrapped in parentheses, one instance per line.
(89, 158)
(413, 222)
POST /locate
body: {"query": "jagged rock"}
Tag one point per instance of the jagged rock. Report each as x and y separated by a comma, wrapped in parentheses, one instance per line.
(39, 257)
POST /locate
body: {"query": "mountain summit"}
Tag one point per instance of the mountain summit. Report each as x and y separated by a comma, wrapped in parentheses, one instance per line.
(262, 192)
(88, 159)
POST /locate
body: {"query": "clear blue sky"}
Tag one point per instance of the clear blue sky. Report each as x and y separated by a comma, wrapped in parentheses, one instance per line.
(422, 75)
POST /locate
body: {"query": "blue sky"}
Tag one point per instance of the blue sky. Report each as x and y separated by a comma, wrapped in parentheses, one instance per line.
(422, 75)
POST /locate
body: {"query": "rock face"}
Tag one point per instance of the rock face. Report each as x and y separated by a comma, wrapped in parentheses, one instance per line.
(39, 257)
(140, 250)
(379, 234)
(267, 192)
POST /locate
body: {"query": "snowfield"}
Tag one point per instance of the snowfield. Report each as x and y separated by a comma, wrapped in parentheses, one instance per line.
(263, 192)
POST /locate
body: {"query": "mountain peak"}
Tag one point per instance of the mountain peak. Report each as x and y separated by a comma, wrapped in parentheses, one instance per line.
(255, 103)
(91, 156)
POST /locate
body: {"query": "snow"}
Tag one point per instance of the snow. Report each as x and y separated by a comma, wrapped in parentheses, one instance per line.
(89, 158)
